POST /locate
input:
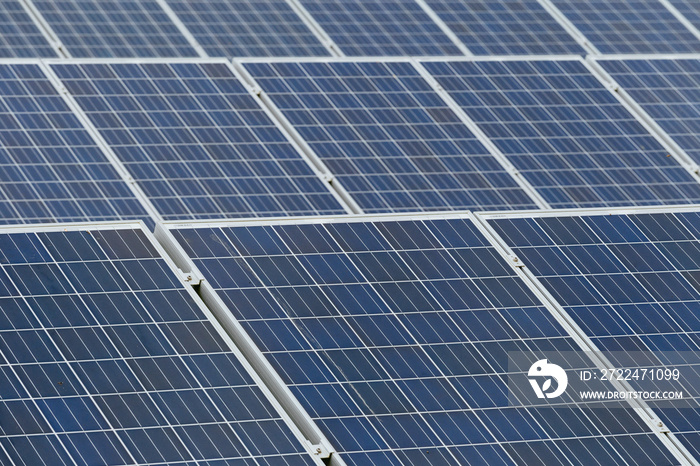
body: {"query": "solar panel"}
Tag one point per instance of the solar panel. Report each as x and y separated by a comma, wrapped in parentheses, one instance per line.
(245, 28)
(387, 136)
(629, 281)
(629, 26)
(567, 134)
(667, 90)
(394, 335)
(513, 27)
(109, 359)
(106, 28)
(689, 9)
(19, 35)
(380, 27)
(195, 140)
(51, 169)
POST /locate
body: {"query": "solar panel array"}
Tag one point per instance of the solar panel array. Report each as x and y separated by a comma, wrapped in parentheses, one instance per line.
(630, 282)
(106, 29)
(108, 359)
(387, 135)
(380, 27)
(196, 141)
(244, 28)
(628, 26)
(20, 37)
(394, 335)
(566, 133)
(51, 169)
(667, 90)
(509, 27)
(318, 338)
(689, 9)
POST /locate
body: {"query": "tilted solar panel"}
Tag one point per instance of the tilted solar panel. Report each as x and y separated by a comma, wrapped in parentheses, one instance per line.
(667, 89)
(629, 26)
(196, 140)
(513, 27)
(19, 35)
(380, 27)
(108, 359)
(569, 136)
(388, 137)
(248, 28)
(689, 9)
(395, 334)
(630, 282)
(51, 168)
(114, 28)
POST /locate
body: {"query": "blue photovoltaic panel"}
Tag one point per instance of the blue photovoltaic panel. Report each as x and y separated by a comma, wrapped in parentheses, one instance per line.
(629, 26)
(511, 27)
(114, 28)
(248, 28)
(393, 143)
(380, 27)
(51, 169)
(19, 35)
(197, 142)
(107, 359)
(567, 133)
(394, 336)
(690, 9)
(631, 283)
(668, 91)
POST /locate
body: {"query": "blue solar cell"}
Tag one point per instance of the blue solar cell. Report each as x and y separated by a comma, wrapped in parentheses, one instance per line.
(390, 139)
(514, 27)
(244, 28)
(629, 26)
(629, 282)
(689, 9)
(118, 386)
(19, 35)
(380, 27)
(395, 362)
(667, 90)
(106, 28)
(51, 169)
(566, 133)
(196, 141)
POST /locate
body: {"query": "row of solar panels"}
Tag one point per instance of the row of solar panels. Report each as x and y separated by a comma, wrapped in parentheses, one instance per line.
(190, 139)
(372, 339)
(267, 28)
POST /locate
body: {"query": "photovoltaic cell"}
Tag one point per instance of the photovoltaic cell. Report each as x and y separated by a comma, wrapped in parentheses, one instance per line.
(630, 282)
(629, 26)
(513, 27)
(107, 359)
(107, 28)
(51, 169)
(394, 336)
(248, 28)
(19, 35)
(380, 27)
(196, 141)
(667, 91)
(566, 133)
(689, 9)
(388, 136)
